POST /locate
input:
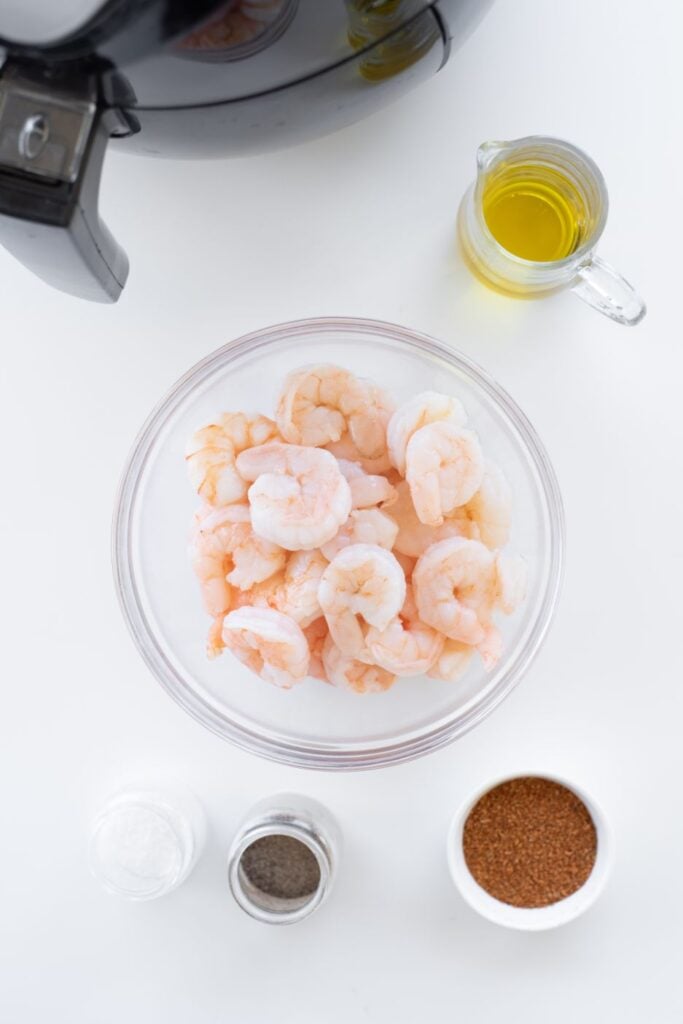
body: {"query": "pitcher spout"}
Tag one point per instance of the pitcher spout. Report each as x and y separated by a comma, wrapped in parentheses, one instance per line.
(489, 153)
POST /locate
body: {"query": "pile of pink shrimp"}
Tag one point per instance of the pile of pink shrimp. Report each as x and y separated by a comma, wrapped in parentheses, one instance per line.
(349, 540)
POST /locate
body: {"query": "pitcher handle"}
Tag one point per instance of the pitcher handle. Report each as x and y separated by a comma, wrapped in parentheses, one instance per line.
(603, 288)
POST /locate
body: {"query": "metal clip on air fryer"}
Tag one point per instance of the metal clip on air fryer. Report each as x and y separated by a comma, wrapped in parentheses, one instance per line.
(53, 137)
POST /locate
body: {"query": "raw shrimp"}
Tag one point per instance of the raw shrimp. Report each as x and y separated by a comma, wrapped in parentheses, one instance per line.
(211, 564)
(364, 526)
(254, 559)
(297, 594)
(350, 541)
(407, 647)
(417, 412)
(455, 588)
(367, 489)
(211, 452)
(299, 498)
(511, 582)
(226, 536)
(363, 584)
(413, 537)
(489, 511)
(261, 595)
(294, 591)
(318, 403)
(502, 585)
(349, 674)
(269, 643)
(214, 640)
(316, 634)
(491, 647)
(211, 557)
(346, 449)
(444, 468)
(453, 661)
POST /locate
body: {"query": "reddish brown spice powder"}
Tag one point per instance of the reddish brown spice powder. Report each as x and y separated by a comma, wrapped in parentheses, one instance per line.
(530, 842)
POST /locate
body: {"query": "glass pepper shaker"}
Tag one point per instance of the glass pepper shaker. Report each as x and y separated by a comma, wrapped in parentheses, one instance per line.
(283, 859)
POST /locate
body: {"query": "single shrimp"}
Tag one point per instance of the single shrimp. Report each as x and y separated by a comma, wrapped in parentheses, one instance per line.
(226, 535)
(211, 557)
(489, 510)
(417, 412)
(362, 585)
(269, 643)
(316, 634)
(452, 662)
(414, 537)
(444, 468)
(504, 590)
(511, 582)
(367, 489)
(491, 647)
(211, 564)
(211, 453)
(214, 640)
(407, 647)
(299, 498)
(297, 594)
(344, 448)
(318, 403)
(455, 584)
(364, 526)
(350, 674)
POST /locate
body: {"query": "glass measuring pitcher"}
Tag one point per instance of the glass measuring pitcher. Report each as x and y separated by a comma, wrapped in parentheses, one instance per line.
(530, 223)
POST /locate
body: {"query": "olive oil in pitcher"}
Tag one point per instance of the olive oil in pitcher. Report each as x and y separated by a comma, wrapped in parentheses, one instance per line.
(530, 222)
(534, 211)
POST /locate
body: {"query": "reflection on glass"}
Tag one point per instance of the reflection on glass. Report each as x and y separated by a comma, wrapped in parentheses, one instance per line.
(397, 45)
(240, 29)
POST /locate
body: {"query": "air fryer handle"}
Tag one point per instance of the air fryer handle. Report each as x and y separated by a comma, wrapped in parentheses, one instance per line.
(51, 157)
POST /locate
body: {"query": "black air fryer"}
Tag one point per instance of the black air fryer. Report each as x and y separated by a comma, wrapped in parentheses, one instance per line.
(182, 79)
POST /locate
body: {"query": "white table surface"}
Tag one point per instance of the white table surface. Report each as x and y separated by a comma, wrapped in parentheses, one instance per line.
(360, 223)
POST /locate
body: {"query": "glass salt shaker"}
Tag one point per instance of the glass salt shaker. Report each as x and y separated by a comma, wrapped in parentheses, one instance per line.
(145, 842)
(283, 859)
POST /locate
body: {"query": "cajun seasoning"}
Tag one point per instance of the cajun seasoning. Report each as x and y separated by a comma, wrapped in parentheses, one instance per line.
(530, 842)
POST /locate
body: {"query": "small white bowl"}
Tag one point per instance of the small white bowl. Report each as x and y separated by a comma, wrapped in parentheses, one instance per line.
(530, 918)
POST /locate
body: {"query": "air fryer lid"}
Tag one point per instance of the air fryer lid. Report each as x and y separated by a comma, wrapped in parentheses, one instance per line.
(77, 72)
(115, 30)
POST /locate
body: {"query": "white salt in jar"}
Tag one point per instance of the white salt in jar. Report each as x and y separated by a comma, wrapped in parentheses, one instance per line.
(144, 843)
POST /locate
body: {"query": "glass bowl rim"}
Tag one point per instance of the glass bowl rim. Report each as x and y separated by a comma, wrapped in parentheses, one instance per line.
(326, 756)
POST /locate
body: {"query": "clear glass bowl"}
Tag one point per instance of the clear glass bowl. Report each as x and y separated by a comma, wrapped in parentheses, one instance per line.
(314, 725)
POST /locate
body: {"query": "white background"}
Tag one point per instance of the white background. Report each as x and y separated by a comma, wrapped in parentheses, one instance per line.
(361, 223)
